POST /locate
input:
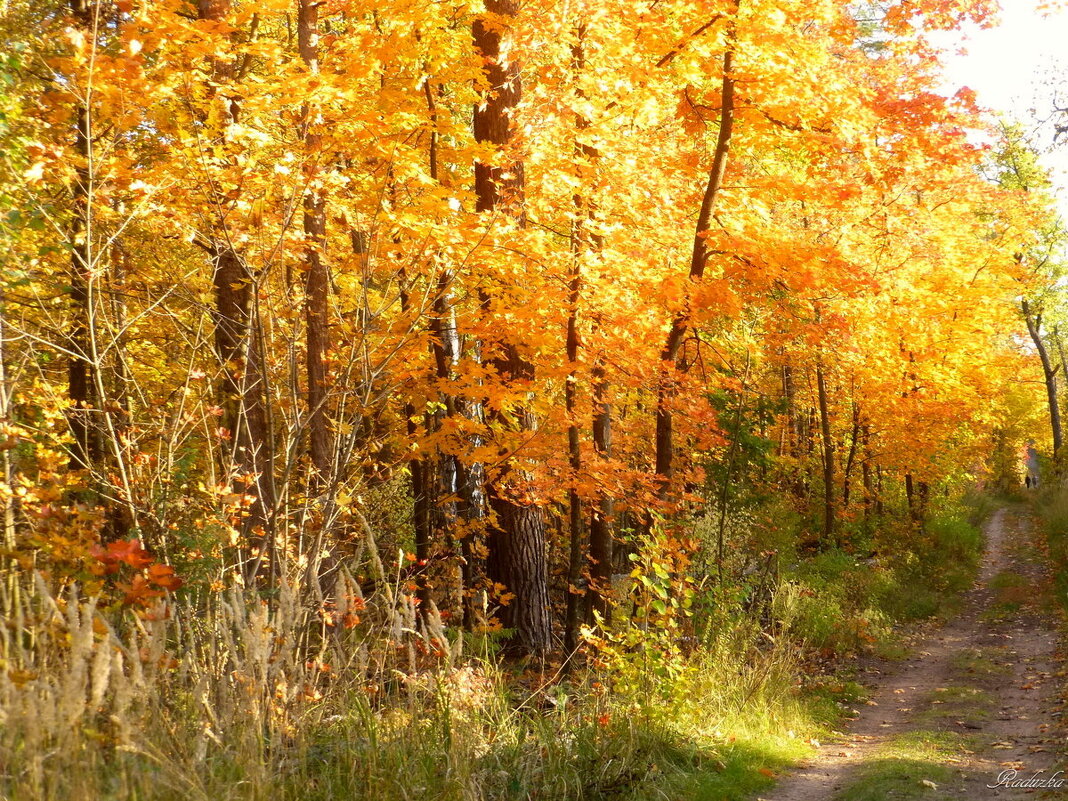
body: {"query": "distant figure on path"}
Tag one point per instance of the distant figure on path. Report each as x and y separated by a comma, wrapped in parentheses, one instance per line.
(1031, 463)
(1027, 481)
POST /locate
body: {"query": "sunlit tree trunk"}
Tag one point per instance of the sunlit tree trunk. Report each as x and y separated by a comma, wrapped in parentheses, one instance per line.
(316, 277)
(516, 541)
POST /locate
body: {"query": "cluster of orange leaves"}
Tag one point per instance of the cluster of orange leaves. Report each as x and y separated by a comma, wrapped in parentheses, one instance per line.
(146, 579)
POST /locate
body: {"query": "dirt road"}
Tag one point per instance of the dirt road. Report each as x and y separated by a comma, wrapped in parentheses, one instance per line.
(973, 713)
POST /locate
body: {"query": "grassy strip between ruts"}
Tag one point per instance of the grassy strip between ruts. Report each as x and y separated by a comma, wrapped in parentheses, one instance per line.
(908, 767)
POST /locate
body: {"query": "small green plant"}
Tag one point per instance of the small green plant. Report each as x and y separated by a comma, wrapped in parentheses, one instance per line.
(643, 654)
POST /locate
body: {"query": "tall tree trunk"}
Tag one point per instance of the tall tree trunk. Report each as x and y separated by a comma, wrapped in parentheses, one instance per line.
(1049, 374)
(316, 276)
(86, 449)
(497, 186)
(601, 543)
(516, 541)
(828, 459)
(865, 467)
(582, 240)
(575, 512)
(665, 444)
(854, 439)
(239, 348)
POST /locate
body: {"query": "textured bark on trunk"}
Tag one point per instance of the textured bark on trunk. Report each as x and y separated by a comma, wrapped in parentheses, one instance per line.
(497, 186)
(517, 560)
(516, 542)
(316, 276)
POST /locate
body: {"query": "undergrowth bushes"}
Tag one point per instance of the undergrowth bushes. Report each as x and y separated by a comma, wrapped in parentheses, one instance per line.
(237, 709)
(702, 687)
(846, 599)
(1051, 505)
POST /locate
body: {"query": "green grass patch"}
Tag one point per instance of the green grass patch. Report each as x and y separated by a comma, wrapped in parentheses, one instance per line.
(892, 650)
(956, 703)
(981, 662)
(910, 766)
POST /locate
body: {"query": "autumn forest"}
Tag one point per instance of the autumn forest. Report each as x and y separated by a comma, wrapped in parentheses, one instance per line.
(497, 400)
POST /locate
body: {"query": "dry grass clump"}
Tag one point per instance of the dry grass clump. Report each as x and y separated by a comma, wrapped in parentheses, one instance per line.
(97, 703)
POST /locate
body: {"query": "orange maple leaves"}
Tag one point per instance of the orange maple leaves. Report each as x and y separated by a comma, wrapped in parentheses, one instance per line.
(148, 579)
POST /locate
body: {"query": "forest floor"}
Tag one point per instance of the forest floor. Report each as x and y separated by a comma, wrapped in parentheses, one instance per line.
(975, 704)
